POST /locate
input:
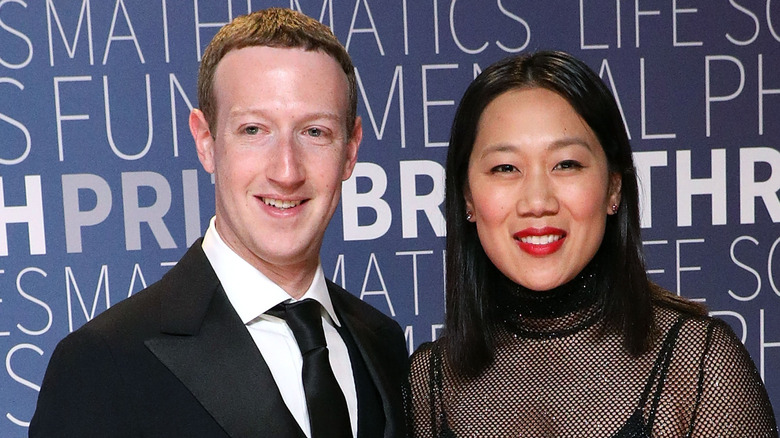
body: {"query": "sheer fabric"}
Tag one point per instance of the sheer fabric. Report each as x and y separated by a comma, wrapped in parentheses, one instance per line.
(564, 376)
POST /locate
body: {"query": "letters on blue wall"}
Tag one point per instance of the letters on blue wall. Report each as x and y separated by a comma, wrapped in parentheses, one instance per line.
(101, 190)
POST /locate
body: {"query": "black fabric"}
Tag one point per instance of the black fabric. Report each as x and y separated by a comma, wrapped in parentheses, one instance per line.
(175, 360)
(383, 349)
(328, 413)
(371, 419)
(566, 375)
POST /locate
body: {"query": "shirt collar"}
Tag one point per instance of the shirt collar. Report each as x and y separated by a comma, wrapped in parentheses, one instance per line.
(251, 292)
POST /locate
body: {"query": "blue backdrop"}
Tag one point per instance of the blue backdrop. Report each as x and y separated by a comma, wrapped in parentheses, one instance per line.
(101, 190)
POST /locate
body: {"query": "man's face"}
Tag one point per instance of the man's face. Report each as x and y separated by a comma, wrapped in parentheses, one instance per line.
(280, 151)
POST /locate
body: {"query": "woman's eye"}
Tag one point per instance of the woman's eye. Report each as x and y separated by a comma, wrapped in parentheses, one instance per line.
(569, 164)
(503, 168)
(252, 130)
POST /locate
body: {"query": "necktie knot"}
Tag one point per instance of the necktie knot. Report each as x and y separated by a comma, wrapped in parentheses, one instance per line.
(303, 318)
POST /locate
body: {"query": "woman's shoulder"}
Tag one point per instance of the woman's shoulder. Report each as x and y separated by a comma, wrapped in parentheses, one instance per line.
(696, 335)
(674, 313)
(710, 368)
(426, 352)
(427, 364)
(711, 365)
(694, 324)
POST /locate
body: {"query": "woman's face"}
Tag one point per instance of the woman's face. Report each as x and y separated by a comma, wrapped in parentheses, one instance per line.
(538, 188)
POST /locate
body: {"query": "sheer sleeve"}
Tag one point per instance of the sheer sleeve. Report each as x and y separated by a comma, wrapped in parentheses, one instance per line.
(733, 401)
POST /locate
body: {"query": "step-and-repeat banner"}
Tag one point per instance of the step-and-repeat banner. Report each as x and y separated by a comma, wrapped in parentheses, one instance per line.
(101, 190)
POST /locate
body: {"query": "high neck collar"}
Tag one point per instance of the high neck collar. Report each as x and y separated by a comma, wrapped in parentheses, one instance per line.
(563, 310)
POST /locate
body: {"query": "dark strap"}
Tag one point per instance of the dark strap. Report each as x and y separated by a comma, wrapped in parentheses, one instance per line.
(328, 413)
(439, 425)
(659, 371)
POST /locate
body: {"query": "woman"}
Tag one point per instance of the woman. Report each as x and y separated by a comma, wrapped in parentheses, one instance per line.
(553, 328)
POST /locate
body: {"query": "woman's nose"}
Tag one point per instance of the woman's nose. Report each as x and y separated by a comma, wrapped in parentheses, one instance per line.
(537, 195)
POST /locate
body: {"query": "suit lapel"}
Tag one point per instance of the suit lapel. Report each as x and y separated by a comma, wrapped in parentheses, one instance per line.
(207, 347)
(369, 344)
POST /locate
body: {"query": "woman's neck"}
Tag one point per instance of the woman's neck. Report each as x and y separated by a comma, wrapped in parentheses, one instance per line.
(567, 308)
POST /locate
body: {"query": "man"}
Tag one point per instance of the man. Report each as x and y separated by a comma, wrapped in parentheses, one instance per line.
(202, 353)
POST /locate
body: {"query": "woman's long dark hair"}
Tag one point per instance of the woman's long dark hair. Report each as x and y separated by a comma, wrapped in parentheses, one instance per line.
(625, 292)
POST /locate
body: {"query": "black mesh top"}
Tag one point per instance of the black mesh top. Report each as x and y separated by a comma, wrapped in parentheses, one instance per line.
(562, 375)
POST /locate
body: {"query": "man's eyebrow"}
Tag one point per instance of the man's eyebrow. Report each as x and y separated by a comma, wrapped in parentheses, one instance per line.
(236, 112)
(324, 115)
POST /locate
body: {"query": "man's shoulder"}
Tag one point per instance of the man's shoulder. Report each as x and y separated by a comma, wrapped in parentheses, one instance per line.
(345, 301)
(380, 335)
(126, 318)
(141, 313)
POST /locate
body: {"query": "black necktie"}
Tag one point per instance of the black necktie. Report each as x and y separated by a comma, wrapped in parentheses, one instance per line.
(328, 413)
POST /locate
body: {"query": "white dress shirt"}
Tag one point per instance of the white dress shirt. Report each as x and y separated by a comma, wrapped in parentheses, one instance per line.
(251, 293)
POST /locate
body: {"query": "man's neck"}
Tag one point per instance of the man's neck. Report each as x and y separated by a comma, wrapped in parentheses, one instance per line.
(295, 280)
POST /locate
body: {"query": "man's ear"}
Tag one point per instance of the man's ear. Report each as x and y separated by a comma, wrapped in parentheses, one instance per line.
(353, 144)
(204, 142)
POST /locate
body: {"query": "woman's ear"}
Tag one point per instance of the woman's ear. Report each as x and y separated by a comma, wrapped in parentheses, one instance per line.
(615, 183)
(469, 203)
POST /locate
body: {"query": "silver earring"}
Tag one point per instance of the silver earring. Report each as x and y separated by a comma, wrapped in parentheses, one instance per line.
(614, 208)
(468, 215)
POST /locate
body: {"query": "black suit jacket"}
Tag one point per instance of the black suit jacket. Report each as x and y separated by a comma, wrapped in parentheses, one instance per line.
(175, 360)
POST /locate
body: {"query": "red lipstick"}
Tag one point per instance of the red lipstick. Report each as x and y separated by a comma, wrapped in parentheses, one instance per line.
(540, 241)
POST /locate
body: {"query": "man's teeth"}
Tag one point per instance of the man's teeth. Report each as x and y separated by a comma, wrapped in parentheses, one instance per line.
(540, 240)
(280, 204)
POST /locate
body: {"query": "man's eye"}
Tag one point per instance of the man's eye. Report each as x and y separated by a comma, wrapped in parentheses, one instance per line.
(314, 132)
(502, 168)
(252, 130)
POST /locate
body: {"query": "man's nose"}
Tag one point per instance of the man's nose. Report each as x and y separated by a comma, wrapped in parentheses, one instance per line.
(286, 167)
